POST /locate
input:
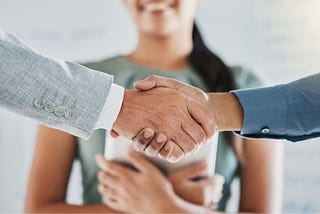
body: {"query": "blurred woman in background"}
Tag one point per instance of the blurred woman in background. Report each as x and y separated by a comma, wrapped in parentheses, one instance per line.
(169, 44)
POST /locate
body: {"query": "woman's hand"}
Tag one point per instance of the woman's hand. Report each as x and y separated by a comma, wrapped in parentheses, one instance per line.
(128, 190)
(202, 190)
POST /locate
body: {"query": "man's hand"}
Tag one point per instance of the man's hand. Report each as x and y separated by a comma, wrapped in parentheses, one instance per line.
(157, 81)
(153, 144)
(225, 111)
(184, 121)
(148, 141)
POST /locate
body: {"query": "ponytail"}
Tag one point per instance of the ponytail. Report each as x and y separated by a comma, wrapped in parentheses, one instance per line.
(211, 68)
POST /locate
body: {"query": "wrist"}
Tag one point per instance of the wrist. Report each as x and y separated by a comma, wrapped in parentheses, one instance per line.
(227, 111)
(121, 122)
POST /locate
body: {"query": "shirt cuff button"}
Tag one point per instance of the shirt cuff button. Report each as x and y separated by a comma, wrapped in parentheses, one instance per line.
(59, 111)
(49, 107)
(39, 103)
(265, 130)
(69, 114)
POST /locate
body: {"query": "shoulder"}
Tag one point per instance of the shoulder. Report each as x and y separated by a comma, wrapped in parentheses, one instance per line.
(247, 78)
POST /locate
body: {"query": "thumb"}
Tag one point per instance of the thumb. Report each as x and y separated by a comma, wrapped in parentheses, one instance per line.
(156, 81)
(146, 84)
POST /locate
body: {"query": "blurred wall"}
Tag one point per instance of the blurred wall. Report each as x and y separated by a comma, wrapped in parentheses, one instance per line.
(278, 39)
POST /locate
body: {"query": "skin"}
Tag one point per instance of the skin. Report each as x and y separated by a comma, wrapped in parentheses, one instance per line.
(170, 29)
(260, 161)
(225, 108)
(53, 157)
(121, 187)
(164, 46)
(166, 113)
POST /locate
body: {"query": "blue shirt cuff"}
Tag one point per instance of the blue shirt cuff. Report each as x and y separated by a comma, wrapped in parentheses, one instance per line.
(265, 112)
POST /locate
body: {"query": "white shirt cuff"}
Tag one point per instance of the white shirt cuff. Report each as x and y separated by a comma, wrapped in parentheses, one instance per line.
(111, 108)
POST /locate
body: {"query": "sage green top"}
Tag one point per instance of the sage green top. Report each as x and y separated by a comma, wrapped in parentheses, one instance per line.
(125, 74)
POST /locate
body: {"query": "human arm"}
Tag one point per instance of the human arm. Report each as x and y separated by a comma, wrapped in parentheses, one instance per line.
(60, 94)
(261, 175)
(144, 190)
(289, 111)
(76, 99)
(49, 175)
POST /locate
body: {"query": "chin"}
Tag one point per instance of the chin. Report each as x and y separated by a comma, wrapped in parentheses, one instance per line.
(159, 30)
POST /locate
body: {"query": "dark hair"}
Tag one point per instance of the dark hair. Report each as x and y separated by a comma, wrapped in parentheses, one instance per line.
(211, 68)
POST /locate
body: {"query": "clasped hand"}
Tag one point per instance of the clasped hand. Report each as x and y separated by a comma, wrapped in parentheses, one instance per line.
(171, 119)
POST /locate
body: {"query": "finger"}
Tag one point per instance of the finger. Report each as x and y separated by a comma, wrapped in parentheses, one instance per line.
(203, 116)
(217, 197)
(217, 178)
(114, 134)
(177, 154)
(166, 150)
(140, 163)
(142, 139)
(112, 204)
(195, 131)
(100, 160)
(108, 180)
(189, 172)
(216, 182)
(185, 142)
(114, 169)
(108, 193)
(156, 81)
(146, 84)
(156, 145)
(171, 152)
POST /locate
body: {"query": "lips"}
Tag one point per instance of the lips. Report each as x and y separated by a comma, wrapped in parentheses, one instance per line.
(156, 6)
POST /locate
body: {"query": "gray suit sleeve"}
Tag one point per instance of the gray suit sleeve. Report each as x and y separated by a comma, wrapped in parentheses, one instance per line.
(59, 94)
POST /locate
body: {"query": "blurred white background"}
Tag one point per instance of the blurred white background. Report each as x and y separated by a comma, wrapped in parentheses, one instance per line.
(278, 38)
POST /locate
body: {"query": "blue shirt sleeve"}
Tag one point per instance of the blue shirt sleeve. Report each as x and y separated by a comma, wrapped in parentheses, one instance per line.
(290, 111)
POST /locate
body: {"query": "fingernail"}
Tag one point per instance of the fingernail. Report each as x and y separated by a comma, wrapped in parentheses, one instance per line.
(167, 147)
(160, 139)
(147, 133)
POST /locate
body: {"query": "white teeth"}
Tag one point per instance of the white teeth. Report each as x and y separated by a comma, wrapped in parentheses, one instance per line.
(156, 6)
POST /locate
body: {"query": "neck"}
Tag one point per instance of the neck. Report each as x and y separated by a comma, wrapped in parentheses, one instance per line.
(163, 52)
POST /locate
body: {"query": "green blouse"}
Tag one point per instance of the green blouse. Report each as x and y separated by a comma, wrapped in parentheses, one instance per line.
(125, 74)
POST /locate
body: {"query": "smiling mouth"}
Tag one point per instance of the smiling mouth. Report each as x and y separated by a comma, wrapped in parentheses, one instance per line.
(156, 7)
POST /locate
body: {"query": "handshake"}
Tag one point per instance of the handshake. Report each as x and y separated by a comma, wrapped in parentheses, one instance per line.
(170, 119)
